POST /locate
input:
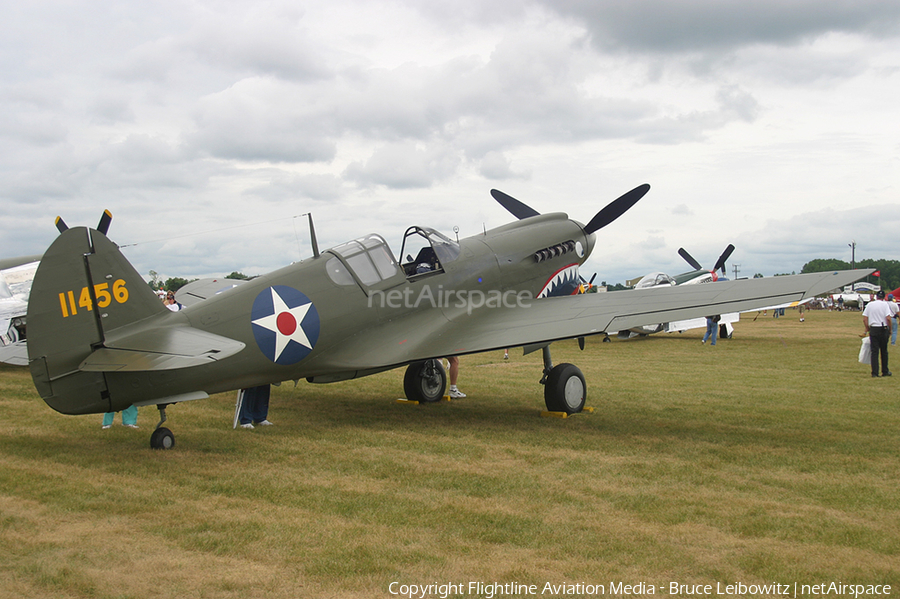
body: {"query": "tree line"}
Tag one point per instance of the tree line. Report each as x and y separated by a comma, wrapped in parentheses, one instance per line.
(889, 270)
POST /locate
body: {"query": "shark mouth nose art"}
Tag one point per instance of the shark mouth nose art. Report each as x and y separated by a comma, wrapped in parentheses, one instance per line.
(562, 282)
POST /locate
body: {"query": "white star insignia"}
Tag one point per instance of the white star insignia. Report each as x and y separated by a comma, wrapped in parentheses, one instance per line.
(286, 324)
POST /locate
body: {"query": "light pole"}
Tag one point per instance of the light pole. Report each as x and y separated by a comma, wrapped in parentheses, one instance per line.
(852, 261)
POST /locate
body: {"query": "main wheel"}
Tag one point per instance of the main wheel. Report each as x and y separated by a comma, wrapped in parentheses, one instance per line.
(425, 381)
(565, 389)
(162, 438)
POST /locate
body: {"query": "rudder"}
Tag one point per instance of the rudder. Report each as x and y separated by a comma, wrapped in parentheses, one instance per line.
(83, 288)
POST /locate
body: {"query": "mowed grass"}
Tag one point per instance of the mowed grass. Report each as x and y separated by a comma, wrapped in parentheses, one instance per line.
(770, 457)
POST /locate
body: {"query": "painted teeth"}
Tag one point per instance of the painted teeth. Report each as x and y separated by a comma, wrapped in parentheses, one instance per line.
(565, 276)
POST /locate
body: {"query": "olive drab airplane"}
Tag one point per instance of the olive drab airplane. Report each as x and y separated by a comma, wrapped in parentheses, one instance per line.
(99, 339)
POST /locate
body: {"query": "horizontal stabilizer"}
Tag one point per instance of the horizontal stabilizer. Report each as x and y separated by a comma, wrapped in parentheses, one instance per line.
(167, 348)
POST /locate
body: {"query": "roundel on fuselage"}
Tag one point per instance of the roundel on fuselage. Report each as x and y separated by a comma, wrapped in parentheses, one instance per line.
(285, 324)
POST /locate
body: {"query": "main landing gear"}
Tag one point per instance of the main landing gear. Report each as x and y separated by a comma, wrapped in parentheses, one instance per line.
(425, 381)
(162, 438)
(564, 386)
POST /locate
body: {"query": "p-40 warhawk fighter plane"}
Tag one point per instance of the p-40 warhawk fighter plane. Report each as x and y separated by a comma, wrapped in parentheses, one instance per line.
(99, 340)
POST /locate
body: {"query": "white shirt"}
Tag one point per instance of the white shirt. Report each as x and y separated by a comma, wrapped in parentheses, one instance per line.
(879, 313)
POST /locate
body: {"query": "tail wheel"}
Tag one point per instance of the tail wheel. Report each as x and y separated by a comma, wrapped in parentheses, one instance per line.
(425, 381)
(565, 389)
(162, 438)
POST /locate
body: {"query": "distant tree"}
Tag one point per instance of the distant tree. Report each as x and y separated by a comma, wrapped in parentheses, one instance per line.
(889, 269)
(154, 280)
(825, 265)
(238, 275)
(889, 272)
(176, 283)
(758, 275)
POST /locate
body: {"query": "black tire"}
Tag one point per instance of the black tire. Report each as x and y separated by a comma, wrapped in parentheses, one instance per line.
(565, 389)
(425, 381)
(162, 438)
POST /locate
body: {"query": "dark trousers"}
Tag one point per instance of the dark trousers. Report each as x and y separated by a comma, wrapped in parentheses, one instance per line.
(255, 407)
(878, 340)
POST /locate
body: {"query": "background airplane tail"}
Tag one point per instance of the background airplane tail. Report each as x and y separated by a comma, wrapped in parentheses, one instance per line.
(83, 288)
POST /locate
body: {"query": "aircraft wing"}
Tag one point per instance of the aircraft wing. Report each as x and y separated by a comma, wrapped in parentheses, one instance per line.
(15, 353)
(556, 318)
(202, 289)
(699, 323)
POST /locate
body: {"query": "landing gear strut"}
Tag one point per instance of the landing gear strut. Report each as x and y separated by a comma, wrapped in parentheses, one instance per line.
(162, 438)
(564, 386)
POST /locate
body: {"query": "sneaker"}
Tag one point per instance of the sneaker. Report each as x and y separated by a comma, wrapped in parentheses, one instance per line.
(248, 425)
(132, 426)
(263, 423)
(456, 394)
(105, 426)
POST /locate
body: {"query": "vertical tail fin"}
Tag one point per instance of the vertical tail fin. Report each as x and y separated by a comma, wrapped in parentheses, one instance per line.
(83, 288)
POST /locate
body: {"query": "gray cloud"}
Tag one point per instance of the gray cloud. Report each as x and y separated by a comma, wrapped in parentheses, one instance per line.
(660, 26)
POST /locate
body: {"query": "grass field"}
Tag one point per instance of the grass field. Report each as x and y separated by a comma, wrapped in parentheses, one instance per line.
(772, 457)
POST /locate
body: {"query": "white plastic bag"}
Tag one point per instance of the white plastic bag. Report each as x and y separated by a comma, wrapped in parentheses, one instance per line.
(865, 352)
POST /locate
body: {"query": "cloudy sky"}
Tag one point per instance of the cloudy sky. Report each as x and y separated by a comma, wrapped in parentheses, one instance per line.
(206, 128)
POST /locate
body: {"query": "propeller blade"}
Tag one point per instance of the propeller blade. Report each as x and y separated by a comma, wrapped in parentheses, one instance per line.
(105, 219)
(61, 224)
(725, 255)
(616, 208)
(594, 276)
(689, 259)
(515, 207)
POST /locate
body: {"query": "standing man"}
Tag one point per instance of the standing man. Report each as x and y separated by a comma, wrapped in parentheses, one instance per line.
(712, 327)
(253, 407)
(877, 321)
(454, 393)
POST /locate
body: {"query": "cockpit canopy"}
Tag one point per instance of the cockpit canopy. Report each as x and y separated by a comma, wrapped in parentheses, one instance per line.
(654, 279)
(431, 250)
(369, 257)
(371, 261)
